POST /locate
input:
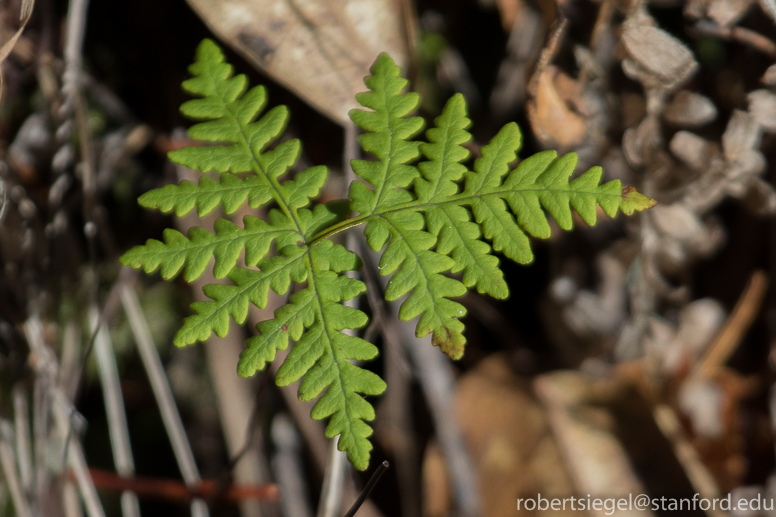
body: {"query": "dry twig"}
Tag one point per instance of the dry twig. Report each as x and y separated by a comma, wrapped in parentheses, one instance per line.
(735, 327)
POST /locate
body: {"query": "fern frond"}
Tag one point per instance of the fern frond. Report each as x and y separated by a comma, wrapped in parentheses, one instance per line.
(230, 192)
(456, 235)
(420, 270)
(196, 250)
(315, 317)
(428, 219)
(388, 130)
(505, 204)
(409, 253)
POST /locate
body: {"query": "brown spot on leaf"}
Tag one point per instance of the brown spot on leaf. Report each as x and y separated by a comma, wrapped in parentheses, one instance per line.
(261, 47)
(451, 343)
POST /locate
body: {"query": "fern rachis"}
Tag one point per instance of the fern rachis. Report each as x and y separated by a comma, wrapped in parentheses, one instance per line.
(421, 207)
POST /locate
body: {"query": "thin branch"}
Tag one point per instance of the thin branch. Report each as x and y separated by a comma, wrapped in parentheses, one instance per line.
(62, 410)
(548, 53)
(697, 473)
(114, 409)
(175, 491)
(5, 51)
(48, 396)
(395, 411)
(9, 470)
(74, 39)
(162, 391)
(736, 326)
(45, 367)
(289, 468)
(435, 375)
(70, 504)
(740, 34)
(333, 483)
(367, 489)
(107, 311)
(21, 413)
(68, 370)
(252, 424)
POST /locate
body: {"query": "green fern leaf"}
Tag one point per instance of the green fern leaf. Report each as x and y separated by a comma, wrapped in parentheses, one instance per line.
(409, 252)
(388, 131)
(195, 252)
(314, 317)
(506, 205)
(428, 219)
(457, 235)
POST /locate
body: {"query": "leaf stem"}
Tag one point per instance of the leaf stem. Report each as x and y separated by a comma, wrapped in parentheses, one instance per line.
(462, 198)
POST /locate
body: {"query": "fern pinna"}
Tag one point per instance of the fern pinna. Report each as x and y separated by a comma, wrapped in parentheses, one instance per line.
(420, 205)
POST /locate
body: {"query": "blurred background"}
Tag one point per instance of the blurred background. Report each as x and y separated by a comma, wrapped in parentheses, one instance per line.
(633, 357)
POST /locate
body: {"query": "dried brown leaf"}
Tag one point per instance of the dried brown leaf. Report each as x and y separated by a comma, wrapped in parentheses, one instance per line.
(640, 143)
(320, 49)
(728, 12)
(509, 437)
(742, 134)
(690, 109)
(762, 106)
(553, 121)
(760, 198)
(5, 50)
(678, 221)
(696, 8)
(596, 459)
(659, 54)
(769, 77)
(509, 10)
(691, 149)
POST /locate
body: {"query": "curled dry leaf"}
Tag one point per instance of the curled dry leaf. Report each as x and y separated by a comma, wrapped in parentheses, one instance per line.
(691, 149)
(658, 55)
(320, 49)
(699, 323)
(690, 109)
(639, 144)
(683, 236)
(742, 134)
(678, 221)
(749, 163)
(27, 7)
(595, 312)
(769, 77)
(695, 9)
(678, 348)
(739, 143)
(760, 198)
(701, 401)
(509, 10)
(727, 12)
(762, 106)
(553, 121)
